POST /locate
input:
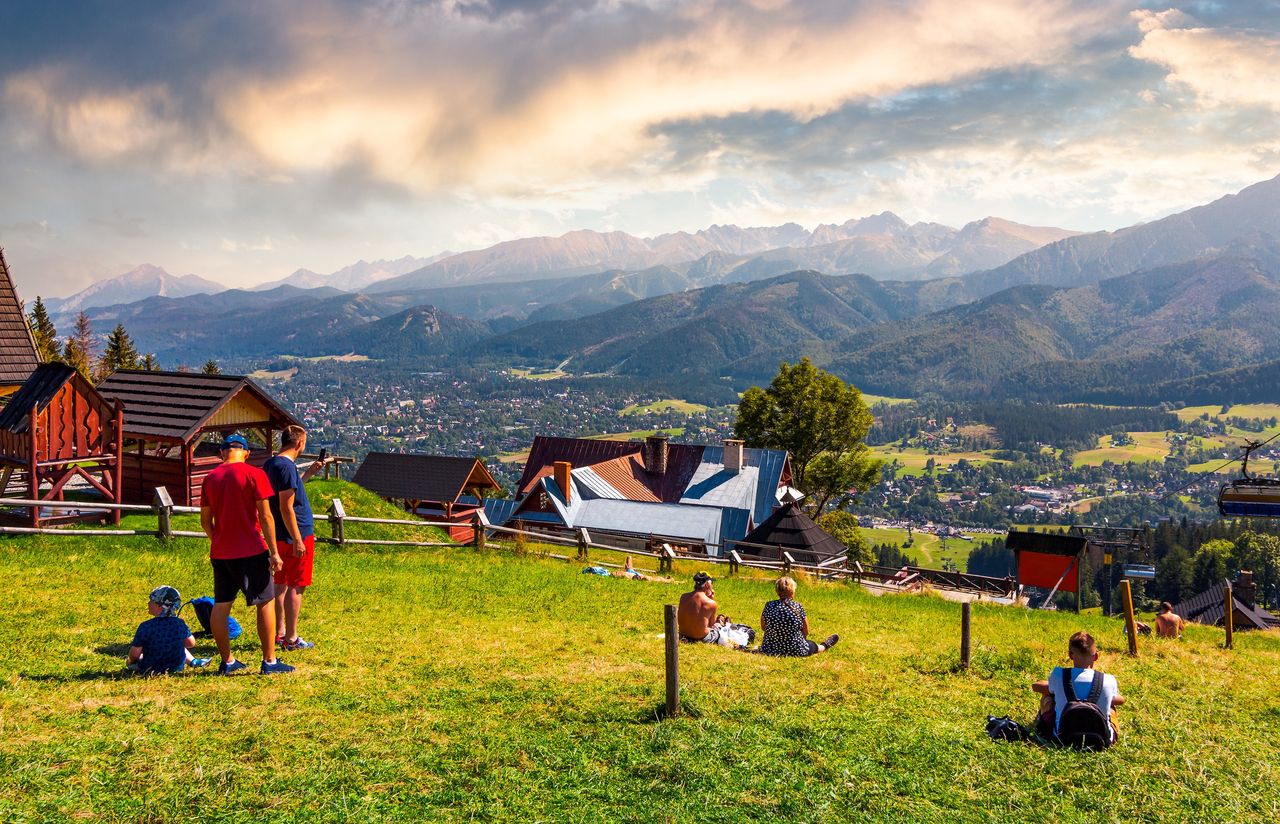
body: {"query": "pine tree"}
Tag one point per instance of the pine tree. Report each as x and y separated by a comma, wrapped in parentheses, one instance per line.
(119, 354)
(79, 349)
(150, 363)
(44, 333)
(211, 367)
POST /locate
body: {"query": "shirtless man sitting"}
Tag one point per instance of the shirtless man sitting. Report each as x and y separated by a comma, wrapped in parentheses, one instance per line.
(1169, 624)
(697, 614)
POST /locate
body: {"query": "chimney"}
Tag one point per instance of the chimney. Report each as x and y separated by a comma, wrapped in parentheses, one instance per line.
(655, 454)
(560, 471)
(1244, 590)
(733, 455)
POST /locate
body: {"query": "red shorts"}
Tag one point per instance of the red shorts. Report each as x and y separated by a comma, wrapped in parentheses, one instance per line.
(296, 571)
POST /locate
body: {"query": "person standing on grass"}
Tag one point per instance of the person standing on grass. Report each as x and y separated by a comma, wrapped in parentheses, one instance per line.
(786, 626)
(295, 533)
(235, 514)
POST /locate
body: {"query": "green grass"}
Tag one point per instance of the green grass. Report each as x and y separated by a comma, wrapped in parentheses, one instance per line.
(1147, 447)
(665, 405)
(454, 685)
(915, 458)
(926, 548)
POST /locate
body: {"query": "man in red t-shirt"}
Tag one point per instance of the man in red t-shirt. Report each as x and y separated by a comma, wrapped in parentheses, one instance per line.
(236, 515)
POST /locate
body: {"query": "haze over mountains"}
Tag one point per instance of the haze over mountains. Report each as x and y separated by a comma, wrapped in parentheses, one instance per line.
(1065, 320)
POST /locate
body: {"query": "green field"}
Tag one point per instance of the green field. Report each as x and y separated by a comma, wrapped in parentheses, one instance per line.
(637, 434)
(1147, 446)
(926, 548)
(665, 405)
(455, 685)
(872, 400)
(914, 458)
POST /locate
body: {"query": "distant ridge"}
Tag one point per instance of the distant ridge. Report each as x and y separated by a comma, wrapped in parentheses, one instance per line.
(141, 282)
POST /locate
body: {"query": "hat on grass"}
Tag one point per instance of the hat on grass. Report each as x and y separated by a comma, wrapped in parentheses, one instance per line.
(235, 441)
(169, 600)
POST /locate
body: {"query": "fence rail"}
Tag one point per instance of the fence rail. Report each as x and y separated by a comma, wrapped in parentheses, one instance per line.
(838, 568)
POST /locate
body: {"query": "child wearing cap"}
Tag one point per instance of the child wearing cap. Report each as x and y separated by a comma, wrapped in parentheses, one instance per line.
(162, 642)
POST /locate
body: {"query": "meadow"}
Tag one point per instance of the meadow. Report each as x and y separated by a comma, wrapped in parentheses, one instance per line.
(450, 684)
(926, 548)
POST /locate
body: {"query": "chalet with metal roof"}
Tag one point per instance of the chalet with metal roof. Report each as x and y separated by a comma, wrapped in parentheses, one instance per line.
(436, 487)
(702, 496)
(173, 422)
(18, 357)
(57, 429)
(1210, 607)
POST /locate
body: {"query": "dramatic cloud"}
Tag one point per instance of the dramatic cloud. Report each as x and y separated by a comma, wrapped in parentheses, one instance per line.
(241, 141)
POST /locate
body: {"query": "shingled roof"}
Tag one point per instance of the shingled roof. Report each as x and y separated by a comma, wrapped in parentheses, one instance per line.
(794, 532)
(174, 406)
(417, 477)
(1210, 606)
(18, 356)
(625, 461)
(36, 391)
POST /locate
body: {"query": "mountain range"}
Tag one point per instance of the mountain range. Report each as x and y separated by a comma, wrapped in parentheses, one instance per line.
(1201, 306)
(136, 284)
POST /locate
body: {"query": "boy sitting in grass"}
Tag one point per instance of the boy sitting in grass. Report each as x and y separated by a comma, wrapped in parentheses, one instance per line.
(162, 643)
(1076, 683)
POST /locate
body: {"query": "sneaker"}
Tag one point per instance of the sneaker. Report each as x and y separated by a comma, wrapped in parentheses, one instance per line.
(279, 642)
(199, 662)
(831, 641)
(296, 644)
(235, 666)
(275, 667)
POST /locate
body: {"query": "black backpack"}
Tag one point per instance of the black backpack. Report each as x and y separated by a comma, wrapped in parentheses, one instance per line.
(1083, 725)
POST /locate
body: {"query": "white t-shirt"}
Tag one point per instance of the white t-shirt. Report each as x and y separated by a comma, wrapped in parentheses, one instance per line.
(1081, 681)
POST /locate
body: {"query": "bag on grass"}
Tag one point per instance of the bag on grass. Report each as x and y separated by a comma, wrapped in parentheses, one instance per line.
(203, 608)
(1005, 728)
(1083, 726)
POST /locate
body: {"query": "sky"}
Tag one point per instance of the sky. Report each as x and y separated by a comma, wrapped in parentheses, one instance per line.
(241, 141)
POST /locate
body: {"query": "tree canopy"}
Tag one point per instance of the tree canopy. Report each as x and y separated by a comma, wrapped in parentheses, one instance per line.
(821, 421)
(120, 352)
(43, 333)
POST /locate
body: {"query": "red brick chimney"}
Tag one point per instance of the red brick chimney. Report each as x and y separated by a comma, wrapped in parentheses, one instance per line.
(560, 471)
(1244, 589)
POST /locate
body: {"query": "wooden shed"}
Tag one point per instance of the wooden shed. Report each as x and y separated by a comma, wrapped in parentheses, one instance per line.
(55, 429)
(18, 356)
(174, 421)
(432, 486)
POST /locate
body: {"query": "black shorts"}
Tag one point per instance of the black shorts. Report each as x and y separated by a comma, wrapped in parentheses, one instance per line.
(251, 575)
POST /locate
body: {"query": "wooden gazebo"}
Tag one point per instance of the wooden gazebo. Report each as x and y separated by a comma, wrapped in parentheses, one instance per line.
(432, 486)
(173, 421)
(17, 348)
(55, 429)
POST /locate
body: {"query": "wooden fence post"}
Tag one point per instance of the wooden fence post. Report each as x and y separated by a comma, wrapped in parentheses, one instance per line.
(1229, 616)
(672, 638)
(336, 513)
(667, 562)
(787, 560)
(477, 532)
(162, 503)
(735, 561)
(964, 635)
(584, 540)
(1130, 624)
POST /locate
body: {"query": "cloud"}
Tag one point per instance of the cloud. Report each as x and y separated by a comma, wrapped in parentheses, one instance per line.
(1222, 67)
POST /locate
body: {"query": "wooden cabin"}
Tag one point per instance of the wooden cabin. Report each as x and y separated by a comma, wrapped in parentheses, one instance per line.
(174, 421)
(434, 487)
(18, 356)
(55, 429)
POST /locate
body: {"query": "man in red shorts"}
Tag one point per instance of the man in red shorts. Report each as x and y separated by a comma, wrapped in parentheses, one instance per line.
(295, 533)
(234, 513)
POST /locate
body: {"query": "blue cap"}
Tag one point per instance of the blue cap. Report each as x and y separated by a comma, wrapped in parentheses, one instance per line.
(235, 441)
(168, 598)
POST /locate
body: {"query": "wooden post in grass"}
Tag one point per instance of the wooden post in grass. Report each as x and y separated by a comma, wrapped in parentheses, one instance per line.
(735, 561)
(336, 513)
(672, 637)
(1229, 617)
(1130, 624)
(477, 532)
(584, 540)
(787, 560)
(964, 635)
(163, 506)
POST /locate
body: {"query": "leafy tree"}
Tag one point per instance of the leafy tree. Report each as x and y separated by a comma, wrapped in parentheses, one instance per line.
(44, 333)
(1174, 576)
(78, 351)
(119, 354)
(1261, 554)
(211, 367)
(843, 526)
(1211, 562)
(821, 421)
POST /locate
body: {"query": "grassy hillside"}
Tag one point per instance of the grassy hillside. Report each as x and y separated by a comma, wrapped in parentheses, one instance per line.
(450, 685)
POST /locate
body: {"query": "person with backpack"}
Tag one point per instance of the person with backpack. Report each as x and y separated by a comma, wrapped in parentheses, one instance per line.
(235, 514)
(1077, 708)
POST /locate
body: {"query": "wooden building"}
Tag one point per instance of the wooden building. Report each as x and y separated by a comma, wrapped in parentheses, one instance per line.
(174, 422)
(18, 356)
(55, 429)
(435, 487)
(788, 529)
(1210, 607)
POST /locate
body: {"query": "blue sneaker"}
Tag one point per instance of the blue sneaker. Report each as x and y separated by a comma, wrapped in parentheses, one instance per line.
(235, 666)
(199, 662)
(275, 667)
(296, 644)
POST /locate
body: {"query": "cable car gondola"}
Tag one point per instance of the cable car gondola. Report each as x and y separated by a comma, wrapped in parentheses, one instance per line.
(1249, 497)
